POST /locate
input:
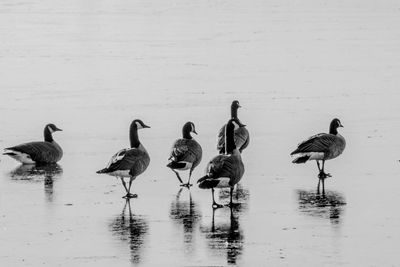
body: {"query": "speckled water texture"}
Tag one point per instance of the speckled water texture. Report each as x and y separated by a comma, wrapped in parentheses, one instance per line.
(91, 67)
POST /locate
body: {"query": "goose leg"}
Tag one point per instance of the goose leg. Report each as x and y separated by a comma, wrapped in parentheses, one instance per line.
(179, 178)
(231, 204)
(319, 168)
(323, 187)
(129, 194)
(215, 205)
(319, 181)
(188, 184)
(124, 184)
(322, 173)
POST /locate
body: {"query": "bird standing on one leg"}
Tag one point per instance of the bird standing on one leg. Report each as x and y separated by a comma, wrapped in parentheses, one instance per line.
(186, 153)
(321, 147)
(224, 170)
(129, 162)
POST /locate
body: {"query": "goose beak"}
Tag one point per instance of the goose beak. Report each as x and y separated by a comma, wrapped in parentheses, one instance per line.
(146, 126)
(194, 131)
(58, 129)
(341, 125)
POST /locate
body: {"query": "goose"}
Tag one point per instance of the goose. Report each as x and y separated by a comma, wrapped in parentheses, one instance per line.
(38, 152)
(186, 153)
(224, 170)
(242, 136)
(129, 162)
(321, 147)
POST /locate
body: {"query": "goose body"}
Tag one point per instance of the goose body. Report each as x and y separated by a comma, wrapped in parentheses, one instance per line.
(241, 134)
(224, 170)
(38, 152)
(321, 147)
(129, 162)
(186, 153)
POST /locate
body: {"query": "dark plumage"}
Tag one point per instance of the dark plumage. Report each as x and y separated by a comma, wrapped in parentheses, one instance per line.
(242, 136)
(224, 170)
(186, 153)
(38, 152)
(321, 147)
(129, 162)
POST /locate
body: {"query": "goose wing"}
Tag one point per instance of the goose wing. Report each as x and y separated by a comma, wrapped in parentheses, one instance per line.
(224, 166)
(39, 151)
(221, 139)
(317, 143)
(132, 159)
(242, 139)
(186, 150)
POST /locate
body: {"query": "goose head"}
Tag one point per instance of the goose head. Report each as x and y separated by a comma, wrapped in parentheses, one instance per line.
(49, 129)
(138, 124)
(187, 129)
(335, 123)
(234, 107)
(52, 128)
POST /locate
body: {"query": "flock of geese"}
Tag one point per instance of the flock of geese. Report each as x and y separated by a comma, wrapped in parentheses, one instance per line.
(224, 170)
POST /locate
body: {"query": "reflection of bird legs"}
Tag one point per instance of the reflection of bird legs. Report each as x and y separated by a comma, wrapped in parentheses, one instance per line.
(130, 210)
(128, 190)
(322, 176)
(215, 205)
(212, 222)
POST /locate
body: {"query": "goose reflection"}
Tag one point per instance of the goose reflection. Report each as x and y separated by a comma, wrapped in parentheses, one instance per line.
(39, 173)
(187, 214)
(225, 238)
(131, 228)
(329, 206)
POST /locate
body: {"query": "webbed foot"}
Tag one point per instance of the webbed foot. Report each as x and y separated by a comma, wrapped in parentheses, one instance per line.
(130, 195)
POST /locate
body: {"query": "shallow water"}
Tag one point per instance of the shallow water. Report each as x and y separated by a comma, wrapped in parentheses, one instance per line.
(92, 67)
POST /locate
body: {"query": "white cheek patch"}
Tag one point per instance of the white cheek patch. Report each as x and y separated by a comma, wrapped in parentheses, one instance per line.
(51, 130)
(139, 126)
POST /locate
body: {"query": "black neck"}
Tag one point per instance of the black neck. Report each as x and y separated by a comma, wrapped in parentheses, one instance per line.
(133, 136)
(333, 129)
(48, 137)
(186, 134)
(234, 110)
(230, 138)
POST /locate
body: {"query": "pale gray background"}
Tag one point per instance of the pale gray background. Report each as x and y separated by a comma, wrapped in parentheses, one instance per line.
(93, 66)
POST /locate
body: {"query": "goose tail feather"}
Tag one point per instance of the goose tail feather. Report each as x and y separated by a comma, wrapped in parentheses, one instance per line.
(302, 159)
(105, 170)
(207, 182)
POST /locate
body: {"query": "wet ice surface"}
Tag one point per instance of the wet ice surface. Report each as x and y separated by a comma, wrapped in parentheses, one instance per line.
(91, 67)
